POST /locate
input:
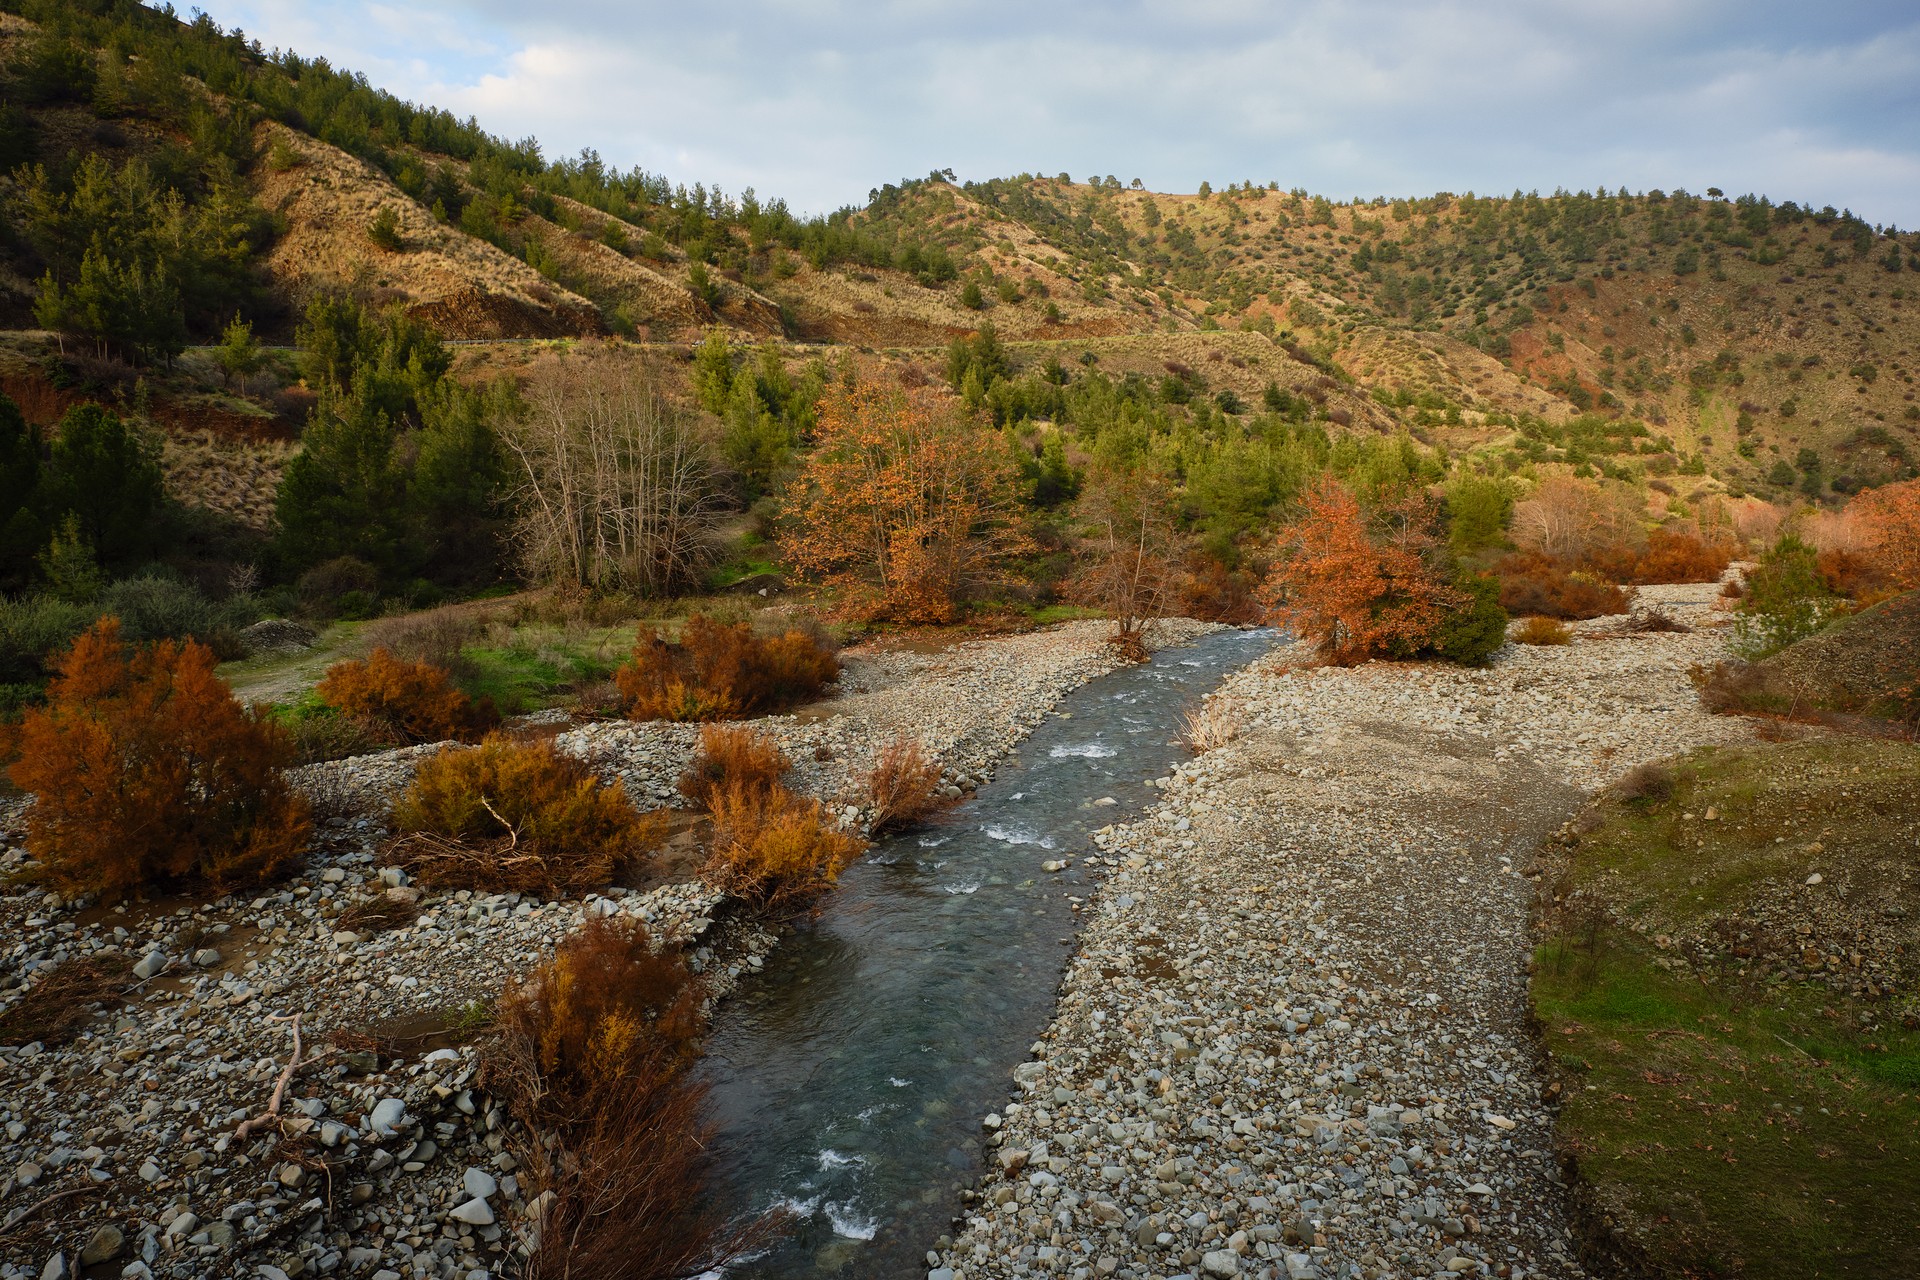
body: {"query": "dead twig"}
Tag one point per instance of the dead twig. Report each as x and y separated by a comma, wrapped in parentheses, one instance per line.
(272, 1116)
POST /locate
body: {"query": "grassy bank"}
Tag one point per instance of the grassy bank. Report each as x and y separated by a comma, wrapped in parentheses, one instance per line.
(1726, 989)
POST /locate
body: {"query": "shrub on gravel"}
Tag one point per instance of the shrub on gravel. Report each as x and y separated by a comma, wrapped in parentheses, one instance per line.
(1473, 631)
(1536, 584)
(591, 1054)
(510, 816)
(904, 786)
(721, 671)
(774, 849)
(146, 770)
(407, 702)
(732, 756)
(63, 998)
(1677, 555)
(1543, 631)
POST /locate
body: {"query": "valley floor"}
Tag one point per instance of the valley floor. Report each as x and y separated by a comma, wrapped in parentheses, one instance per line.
(118, 1153)
(1293, 1039)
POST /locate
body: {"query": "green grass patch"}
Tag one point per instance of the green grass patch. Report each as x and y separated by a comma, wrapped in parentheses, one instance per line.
(1736, 1047)
(538, 666)
(1050, 614)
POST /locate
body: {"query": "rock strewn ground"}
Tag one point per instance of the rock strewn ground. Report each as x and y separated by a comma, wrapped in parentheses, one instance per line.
(128, 1128)
(1292, 1042)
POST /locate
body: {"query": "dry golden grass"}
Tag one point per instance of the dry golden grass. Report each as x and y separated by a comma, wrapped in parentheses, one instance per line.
(233, 478)
(1548, 631)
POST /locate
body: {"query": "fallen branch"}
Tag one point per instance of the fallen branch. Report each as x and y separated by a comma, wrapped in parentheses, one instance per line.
(272, 1116)
(20, 1215)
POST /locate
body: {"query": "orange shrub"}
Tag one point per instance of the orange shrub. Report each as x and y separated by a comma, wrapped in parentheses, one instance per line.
(1889, 521)
(591, 1052)
(1355, 594)
(607, 1003)
(903, 786)
(1851, 574)
(1214, 593)
(773, 849)
(1543, 631)
(729, 756)
(722, 671)
(1531, 583)
(411, 701)
(1675, 555)
(511, 816)
(145, 768)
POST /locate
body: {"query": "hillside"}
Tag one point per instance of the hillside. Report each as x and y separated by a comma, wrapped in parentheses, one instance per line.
(1692, 345)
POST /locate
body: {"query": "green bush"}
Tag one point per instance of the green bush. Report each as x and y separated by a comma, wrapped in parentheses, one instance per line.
(1471, 634)
(31, 627)
(1787, 600)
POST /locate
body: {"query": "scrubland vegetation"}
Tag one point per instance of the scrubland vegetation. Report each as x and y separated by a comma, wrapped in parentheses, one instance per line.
(1389, 426)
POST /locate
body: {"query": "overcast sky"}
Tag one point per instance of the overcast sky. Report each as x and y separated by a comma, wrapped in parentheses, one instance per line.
(818, 101)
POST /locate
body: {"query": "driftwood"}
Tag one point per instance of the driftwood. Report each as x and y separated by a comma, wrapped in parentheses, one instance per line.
(271, 1117)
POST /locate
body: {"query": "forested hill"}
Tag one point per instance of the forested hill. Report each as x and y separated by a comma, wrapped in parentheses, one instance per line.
(168, 177)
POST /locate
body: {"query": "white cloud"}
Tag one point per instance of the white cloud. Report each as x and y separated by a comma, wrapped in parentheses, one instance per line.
(819, 102)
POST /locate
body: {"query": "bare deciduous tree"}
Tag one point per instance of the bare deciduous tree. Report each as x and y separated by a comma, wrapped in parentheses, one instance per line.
(1130, 554)
(617, 488)
(1569, 519)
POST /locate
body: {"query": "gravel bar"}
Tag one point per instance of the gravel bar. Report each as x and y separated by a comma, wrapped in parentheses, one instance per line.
(1293, 1039)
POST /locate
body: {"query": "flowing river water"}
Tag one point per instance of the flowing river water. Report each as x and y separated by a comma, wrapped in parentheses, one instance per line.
(849, 1077)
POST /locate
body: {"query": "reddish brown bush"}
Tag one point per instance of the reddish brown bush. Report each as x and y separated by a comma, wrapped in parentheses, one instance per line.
(591, 1054)
(1214, 593)
(1679, 556)
(773, 849)
(1535, 584)
(1852, 574)
(732, 756)
(607, 1003)
(145, 768)
(721, 671)
(903, 786)
(518, 817)
(1357, 593)
(412, 702)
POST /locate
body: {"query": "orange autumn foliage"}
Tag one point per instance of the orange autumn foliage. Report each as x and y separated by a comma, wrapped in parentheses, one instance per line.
(905, 505)
(146, 769)
(1889, 522)
(722, 671)
(1354, 592)
(411, 702)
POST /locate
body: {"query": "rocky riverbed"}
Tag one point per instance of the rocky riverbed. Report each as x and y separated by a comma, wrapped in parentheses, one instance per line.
(1292, 1041)
(118, 1151)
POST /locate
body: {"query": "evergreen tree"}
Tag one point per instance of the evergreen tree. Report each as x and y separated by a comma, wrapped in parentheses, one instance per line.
(103, 472)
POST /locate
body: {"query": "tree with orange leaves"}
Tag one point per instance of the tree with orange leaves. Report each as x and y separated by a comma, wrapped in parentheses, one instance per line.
(905, 505)
(145, 768)
(1889, 521)
(1358, 592)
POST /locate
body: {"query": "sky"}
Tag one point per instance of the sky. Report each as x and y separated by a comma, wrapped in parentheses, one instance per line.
(818, 101)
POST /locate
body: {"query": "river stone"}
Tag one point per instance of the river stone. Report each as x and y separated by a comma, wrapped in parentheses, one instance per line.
(1221, 1262)
(478, 1183)
(152, 963)
(476, 1212)
(387, 1115)
(103, 1245)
